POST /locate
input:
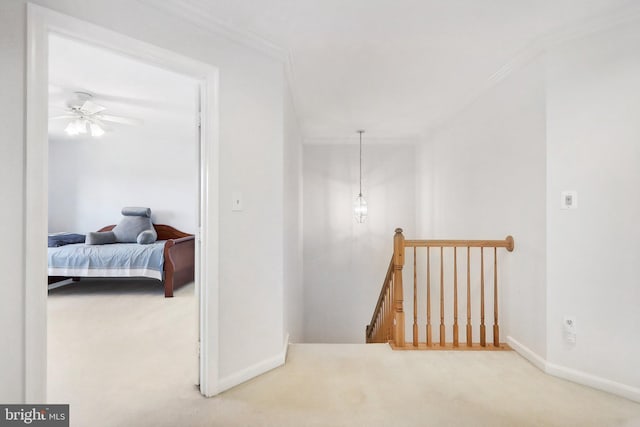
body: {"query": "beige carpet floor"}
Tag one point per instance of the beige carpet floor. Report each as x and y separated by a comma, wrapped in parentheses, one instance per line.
(122, 355)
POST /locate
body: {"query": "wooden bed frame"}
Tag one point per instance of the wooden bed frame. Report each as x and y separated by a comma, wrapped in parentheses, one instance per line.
(179, 257)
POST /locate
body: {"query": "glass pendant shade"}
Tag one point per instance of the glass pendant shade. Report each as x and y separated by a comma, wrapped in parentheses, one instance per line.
(77, 126)
(80, 125)
(360, 209)
(96, 130)
(71, 129)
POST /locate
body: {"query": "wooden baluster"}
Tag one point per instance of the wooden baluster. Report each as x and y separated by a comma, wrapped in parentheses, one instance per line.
(375, 336)
(455, 296)
(442, 333)
(381, 318)
(398, 264)
(387, 329)
(379, 322)
(371, 331)
(387, 320)
(496, 329)
(483, 333)
(469, 336)
(415, 300)
(384, 327)
(390, 308)
(429, 336)
(376, 326)
(384, 331)
(387, 333)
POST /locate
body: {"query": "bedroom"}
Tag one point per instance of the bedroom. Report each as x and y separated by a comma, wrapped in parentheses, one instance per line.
(147, 156)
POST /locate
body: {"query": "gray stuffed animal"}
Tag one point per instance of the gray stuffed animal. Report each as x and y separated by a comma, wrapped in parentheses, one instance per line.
(135, 227)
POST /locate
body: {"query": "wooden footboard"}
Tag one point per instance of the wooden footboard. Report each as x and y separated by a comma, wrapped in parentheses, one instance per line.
(179, 255)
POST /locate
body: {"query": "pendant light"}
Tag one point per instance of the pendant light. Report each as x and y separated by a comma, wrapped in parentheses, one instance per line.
(360, 205)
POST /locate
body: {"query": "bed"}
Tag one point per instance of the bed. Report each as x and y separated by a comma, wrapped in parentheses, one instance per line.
(170, 259)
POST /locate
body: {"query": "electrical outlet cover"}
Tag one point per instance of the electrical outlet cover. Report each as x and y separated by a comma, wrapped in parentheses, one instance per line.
(569, 329)
(570, 324)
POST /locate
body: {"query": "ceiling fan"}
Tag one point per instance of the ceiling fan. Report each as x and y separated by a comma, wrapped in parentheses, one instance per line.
(87, 117)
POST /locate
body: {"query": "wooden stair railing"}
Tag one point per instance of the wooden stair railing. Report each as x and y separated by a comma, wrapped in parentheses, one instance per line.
(379, 330)
(388, 321)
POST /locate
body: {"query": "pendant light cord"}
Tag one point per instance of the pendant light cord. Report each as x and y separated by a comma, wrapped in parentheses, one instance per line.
(360, 131)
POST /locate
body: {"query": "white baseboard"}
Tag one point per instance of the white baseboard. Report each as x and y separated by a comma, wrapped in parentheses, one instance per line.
(286, 346)
(253, 371)
(593, 381)
(614, 387)
(528, 354)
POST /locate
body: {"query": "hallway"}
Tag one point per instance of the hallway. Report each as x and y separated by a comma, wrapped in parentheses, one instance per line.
(126, 360)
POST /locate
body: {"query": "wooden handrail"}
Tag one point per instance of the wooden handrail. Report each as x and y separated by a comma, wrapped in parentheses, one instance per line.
(388, 320)
(506, 243)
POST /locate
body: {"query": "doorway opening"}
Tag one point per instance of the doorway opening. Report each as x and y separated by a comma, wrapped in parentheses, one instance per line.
(43, 25)
(137, 145)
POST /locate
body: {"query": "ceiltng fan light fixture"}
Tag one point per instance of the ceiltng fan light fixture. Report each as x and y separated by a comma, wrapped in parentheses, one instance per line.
(72, 128)
(96, 130)
(80, 125)
(88, 117)
(360, 204)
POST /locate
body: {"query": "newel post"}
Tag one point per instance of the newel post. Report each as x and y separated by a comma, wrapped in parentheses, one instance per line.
(398, 312)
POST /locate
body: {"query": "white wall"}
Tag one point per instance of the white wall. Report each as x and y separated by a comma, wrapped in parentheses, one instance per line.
(152, 164)
(251, 241)
(482, 176)
(293, 290)
(567, 121)
(251, 157)
(593, 140)
(345, 262)
(12, 107)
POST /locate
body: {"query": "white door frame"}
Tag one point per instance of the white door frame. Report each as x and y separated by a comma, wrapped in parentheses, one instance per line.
(40, 23)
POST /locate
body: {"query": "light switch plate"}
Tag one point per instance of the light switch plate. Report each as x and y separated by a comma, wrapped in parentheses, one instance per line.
(569, 199)
(236, 200)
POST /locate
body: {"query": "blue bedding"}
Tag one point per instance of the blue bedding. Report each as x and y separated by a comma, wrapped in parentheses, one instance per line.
(116, 260)
(62, 239)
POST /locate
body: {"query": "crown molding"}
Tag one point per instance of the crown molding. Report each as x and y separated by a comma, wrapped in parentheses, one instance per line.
(584, 28)
(555, 38)
(290, 77)
(204, 20)
(528, 53)
(369, 140)
(594, 24)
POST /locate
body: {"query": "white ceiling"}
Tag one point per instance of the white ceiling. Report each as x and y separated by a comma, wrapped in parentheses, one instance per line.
(394, 67)
(161, 99)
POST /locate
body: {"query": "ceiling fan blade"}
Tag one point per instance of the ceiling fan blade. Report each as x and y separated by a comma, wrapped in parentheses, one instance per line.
(118, 119)
(64, 116)
(90, 108)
